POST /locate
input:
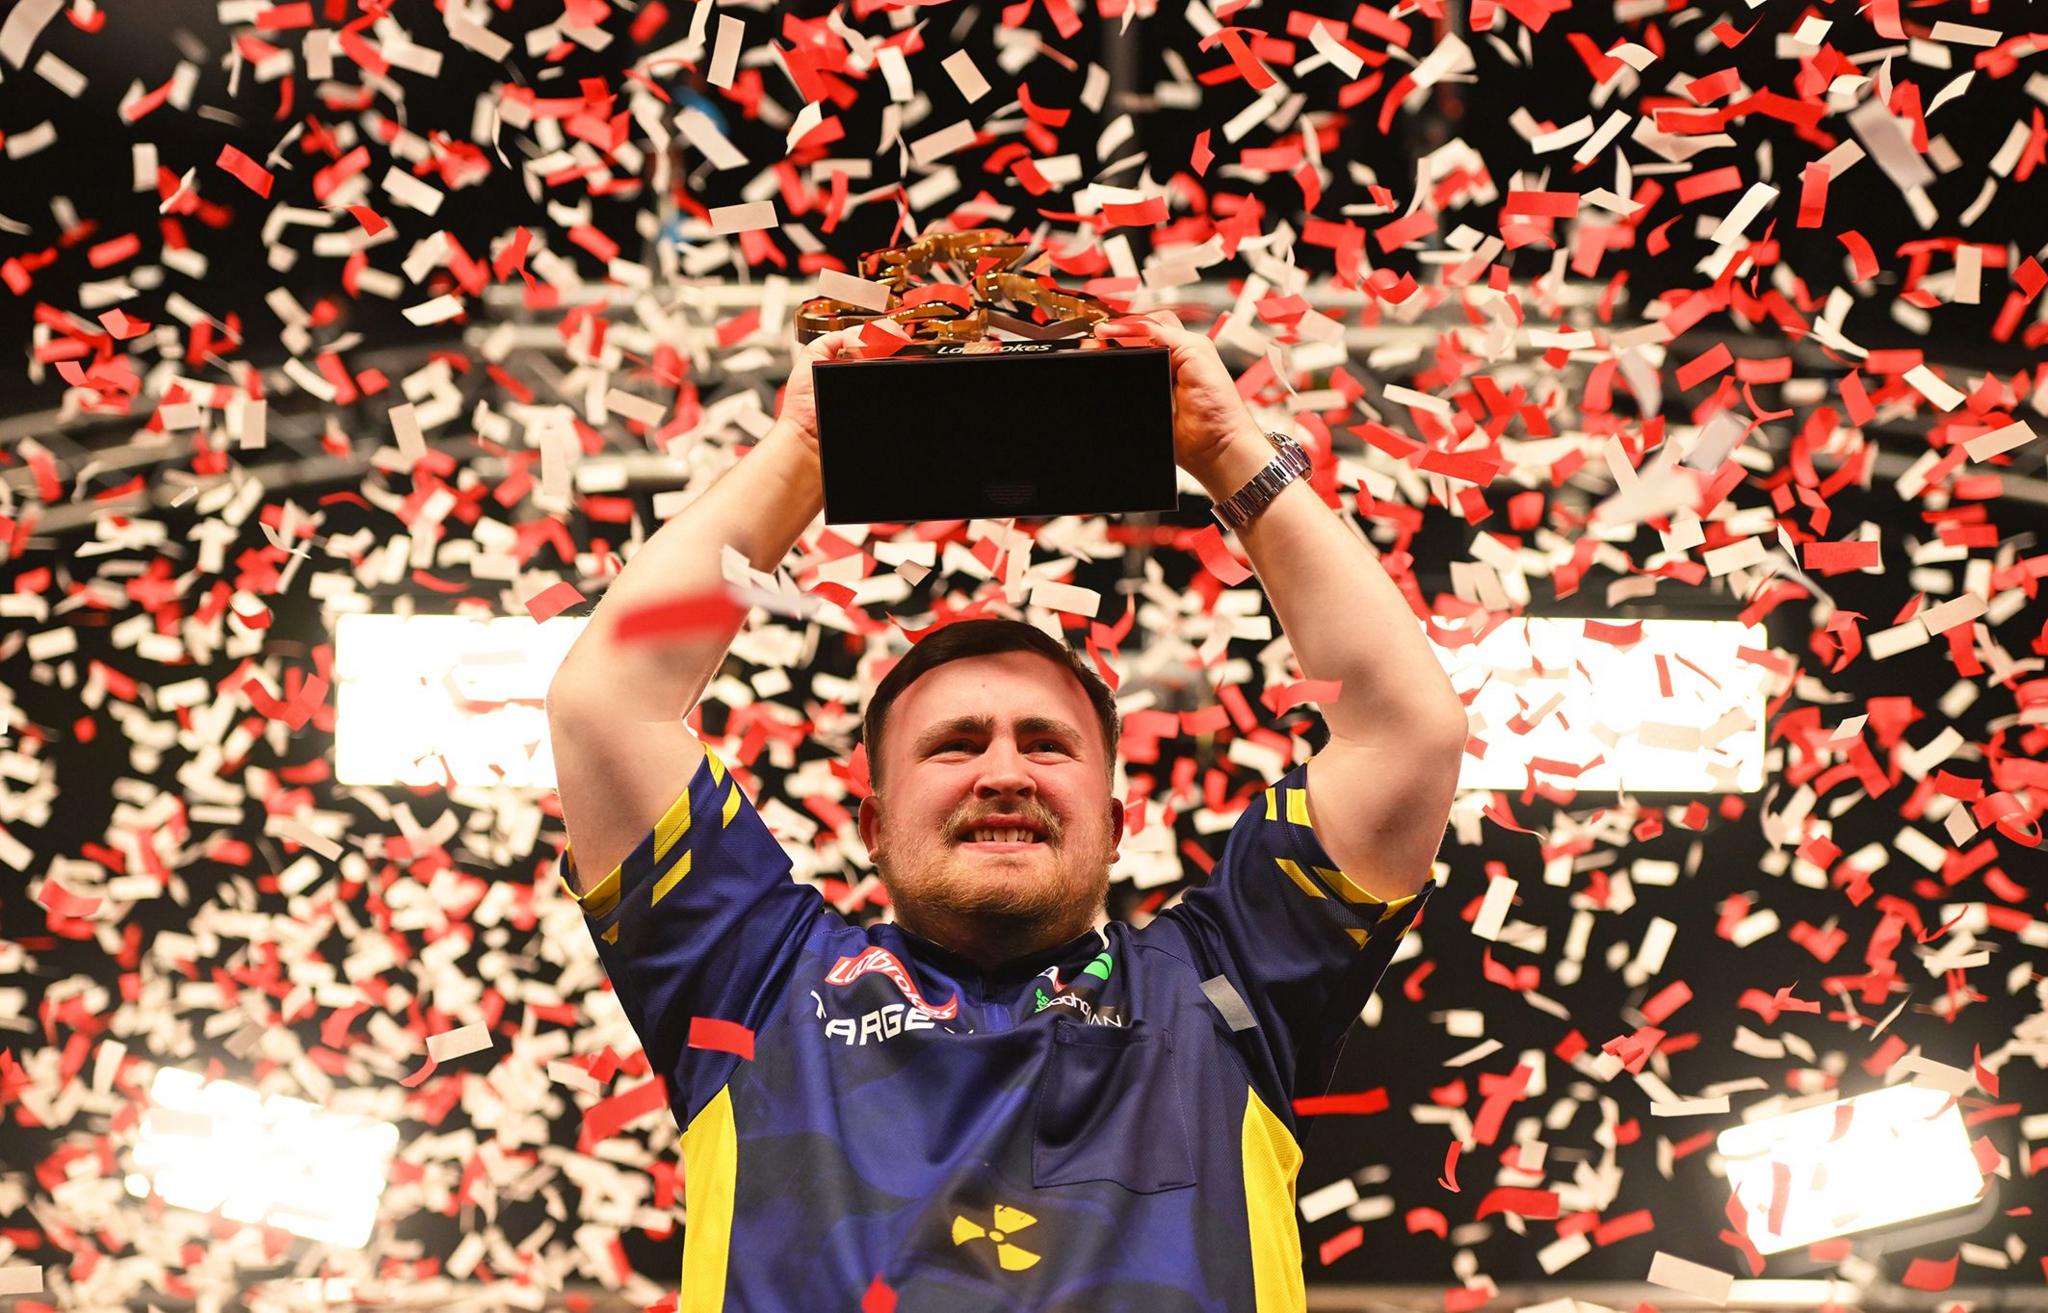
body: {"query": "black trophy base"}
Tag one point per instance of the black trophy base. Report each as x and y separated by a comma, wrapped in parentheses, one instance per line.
(1030, 431)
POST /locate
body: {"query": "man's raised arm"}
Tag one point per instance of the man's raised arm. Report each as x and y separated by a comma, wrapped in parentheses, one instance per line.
(760, 507)
(1380, 791)
(615, 709)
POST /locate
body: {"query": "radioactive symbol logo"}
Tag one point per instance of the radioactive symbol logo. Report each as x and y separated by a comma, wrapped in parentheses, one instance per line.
(1006, 1223)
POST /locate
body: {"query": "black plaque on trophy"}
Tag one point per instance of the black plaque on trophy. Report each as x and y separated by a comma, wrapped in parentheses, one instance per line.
(1018, 432)
(985, 395)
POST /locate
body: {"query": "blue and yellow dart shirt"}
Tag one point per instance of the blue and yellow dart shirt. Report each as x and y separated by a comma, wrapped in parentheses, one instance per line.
(1104, 1126)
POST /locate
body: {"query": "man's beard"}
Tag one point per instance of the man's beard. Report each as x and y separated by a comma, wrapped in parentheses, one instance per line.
(946, 886)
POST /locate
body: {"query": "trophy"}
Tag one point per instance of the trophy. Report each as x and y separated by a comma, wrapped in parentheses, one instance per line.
(999, 402)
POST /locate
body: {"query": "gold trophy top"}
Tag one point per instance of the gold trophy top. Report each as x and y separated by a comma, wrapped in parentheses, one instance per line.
(1000, 281)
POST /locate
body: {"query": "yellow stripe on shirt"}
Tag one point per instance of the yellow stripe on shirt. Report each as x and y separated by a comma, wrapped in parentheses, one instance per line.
(711, 1155)
(668, 831)
(1271, 1159)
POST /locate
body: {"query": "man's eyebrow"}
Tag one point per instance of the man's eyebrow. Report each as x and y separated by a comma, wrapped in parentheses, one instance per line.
(945, 729)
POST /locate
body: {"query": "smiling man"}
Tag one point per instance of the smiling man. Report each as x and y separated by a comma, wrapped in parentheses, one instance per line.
(998, 1100)
(1000, 830)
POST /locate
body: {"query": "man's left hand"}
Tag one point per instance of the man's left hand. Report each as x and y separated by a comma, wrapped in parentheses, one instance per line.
(1208, 413)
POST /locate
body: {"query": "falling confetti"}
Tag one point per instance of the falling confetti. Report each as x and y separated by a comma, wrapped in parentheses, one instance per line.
(1597, 314)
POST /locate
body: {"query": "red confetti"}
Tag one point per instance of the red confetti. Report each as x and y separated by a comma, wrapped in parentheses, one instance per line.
(1369, 1101)
(121, 326)
(1838, 558)
(419, 1077)
(551, 601)
(1666, 1001)
(711, 611)
(1860, 252)
(1930, 1274)
(1538, 1204)
(1350, 1238)
(1987, 1080)
(1216, 556)
(721, 1037)
(608, 1116)
(59, 901)
(1428, 1219)
(251, 174)
(1704, 366)
(1620, 635)
(1624, 277)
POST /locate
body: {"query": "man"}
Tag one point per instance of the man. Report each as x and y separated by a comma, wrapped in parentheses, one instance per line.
(997, 1101)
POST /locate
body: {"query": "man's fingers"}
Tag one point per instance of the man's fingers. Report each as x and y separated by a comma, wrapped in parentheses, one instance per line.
(822, 348)
(1164, 320)
(1167, 327)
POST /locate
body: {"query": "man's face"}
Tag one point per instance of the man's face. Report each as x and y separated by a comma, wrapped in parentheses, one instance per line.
(1007, 742)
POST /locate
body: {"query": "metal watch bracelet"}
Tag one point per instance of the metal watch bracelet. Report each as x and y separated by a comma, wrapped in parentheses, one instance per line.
(1241, 507)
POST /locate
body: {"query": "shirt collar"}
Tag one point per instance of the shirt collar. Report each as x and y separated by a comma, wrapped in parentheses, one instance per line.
(996, 979)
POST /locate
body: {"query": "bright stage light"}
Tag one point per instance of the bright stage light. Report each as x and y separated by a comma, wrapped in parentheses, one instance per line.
(413, 692)
(1872, 1161)
(1678, 711)
(262, 1160)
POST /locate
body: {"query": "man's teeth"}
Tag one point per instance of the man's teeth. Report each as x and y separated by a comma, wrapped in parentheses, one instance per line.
(1002, 836)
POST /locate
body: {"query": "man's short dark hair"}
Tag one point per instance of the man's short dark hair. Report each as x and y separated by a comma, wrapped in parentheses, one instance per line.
(984, 637)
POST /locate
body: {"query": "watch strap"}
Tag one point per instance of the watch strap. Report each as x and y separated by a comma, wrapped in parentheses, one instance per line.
(1289, 463)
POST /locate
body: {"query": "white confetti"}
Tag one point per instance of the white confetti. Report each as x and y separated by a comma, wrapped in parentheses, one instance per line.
(750, 217)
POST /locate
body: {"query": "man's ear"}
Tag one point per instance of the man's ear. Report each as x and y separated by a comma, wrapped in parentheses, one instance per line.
(1116, 821)
(870, 822)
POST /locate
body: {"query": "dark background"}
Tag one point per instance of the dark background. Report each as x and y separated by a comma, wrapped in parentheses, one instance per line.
(1405, 1052)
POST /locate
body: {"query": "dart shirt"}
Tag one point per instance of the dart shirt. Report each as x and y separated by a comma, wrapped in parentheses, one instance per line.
(867, 1117)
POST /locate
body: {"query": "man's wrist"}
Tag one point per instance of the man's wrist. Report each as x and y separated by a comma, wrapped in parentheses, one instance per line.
(1231, 463)
(778, 490)
(782, 430)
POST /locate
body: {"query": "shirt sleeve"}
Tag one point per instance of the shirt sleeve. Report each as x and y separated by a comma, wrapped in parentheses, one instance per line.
(1298, 946)
(701, 920)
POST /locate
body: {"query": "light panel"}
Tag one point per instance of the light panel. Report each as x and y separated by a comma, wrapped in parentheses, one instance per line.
(1875, 1160)
(423, 699)
(414, 692)
(1603, 709)
(261, 1159)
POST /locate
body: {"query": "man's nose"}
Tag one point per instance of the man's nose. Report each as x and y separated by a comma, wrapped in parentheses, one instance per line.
(1003, 770)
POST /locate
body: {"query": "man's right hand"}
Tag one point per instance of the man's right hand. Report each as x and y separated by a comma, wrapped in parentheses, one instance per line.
(799, 412)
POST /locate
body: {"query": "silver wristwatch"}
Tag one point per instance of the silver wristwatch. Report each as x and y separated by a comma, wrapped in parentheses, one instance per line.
(1289, 464)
